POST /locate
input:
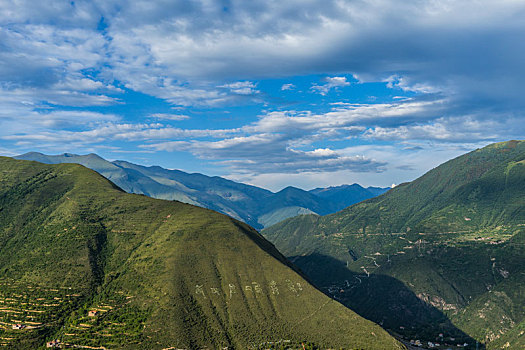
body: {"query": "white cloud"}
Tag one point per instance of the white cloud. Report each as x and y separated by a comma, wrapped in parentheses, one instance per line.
(408, 165)
(65, 119)
(396, 81)
(323, 152)
(85, 84)
(242, 88)
(181, 52)
(288, 86)
(281, 141)
(330, 83)
(169, 116)
(452, 129)
(108, 131)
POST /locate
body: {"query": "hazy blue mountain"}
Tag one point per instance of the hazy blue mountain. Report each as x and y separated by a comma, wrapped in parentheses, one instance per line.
(281, 214)
(346, 195)
(256, 206)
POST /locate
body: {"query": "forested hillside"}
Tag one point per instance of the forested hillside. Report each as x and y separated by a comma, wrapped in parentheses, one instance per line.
(442, 254)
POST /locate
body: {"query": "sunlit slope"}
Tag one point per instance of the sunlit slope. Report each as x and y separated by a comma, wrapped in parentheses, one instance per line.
(453, 238)
(85, 263)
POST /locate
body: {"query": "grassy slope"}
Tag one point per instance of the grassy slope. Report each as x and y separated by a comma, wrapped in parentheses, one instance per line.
(450, 237)
(170, 274)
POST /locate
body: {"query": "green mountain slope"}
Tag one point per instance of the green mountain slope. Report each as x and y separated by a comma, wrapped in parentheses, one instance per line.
(256, 206)
(87, 264)
(454, 238)
(513, 339)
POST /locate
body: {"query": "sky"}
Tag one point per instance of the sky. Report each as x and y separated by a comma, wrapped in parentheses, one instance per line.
(309, 93)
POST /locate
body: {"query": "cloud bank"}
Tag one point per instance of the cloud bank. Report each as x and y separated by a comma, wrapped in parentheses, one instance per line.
(455, 69)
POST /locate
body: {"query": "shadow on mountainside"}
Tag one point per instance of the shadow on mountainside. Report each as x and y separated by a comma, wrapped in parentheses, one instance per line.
(382, 299)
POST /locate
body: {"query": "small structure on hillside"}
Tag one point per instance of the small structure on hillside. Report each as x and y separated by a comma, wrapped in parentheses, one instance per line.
(53, 344)
(18, 326)
(93, 313)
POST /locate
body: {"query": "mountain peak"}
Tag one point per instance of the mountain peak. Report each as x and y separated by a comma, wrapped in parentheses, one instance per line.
(289, 189)
(28, 154)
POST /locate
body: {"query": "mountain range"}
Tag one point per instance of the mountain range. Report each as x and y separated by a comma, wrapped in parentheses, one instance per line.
(253, 205)
(84, 264)
(440, 258)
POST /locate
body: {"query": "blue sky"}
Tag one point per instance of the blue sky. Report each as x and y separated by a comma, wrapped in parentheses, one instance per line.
(272, 93)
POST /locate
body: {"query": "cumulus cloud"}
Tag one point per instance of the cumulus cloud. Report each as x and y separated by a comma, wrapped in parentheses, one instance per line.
(241, 88)
(265, 154)
(452, 129)
(103, 132)
(330, 83)
(428, 45)
(437, 45)
(285, 141)
(282, 141)
(180, 51)
(288, 86)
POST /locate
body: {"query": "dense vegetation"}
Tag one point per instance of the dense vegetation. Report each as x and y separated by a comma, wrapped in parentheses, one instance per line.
(85, 263)
(440, 255)
(256, 206)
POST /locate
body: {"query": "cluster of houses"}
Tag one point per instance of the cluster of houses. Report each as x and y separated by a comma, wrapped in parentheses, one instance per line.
(431, 345)
(56, 343)
(18, 326)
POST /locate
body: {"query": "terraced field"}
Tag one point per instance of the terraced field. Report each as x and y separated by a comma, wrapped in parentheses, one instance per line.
(29, 311)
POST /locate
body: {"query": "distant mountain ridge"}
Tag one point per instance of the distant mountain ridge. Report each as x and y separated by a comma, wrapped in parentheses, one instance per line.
(256, 206)
(346, 195)
(451, 241)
